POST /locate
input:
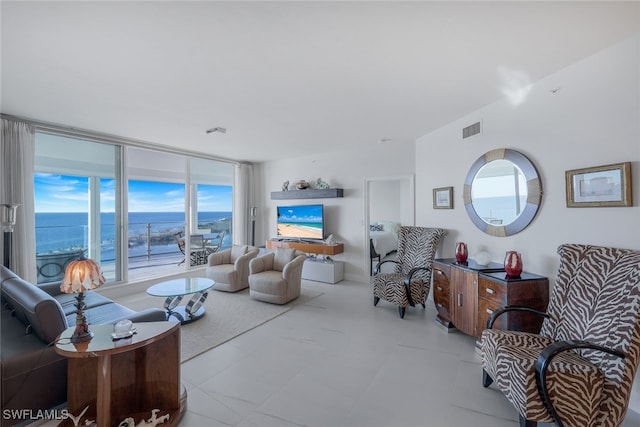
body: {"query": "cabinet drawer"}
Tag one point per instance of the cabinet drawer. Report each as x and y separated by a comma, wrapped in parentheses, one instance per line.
(441, 296)
(492, 291)
(440, 276)
(485, 309)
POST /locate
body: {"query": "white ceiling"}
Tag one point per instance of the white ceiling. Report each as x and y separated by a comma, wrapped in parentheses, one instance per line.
(286, 79)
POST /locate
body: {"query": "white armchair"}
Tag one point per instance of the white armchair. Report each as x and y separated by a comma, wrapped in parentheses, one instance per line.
(230, 268)
(276, 276)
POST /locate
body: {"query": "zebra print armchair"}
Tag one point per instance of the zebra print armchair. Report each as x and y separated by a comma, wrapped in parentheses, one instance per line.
(579, 370)
(411, 281)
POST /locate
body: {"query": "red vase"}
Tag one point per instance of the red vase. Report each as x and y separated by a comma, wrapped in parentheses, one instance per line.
(461, 252)
(513, 264)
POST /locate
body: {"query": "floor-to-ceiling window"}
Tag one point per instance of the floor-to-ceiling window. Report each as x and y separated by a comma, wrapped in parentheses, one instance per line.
(76, 209)
(156, 201)
(126, 206)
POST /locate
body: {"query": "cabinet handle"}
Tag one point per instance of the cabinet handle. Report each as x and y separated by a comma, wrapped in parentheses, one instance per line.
(459, 300)
(439, 288)
(490, 291)
(489, 311)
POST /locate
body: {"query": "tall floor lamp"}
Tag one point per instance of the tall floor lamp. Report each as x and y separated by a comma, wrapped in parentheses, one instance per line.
(253, 211)
(8, 220)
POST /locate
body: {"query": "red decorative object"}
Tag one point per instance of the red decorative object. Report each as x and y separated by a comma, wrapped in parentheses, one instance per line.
(461, 252)
(513, 264)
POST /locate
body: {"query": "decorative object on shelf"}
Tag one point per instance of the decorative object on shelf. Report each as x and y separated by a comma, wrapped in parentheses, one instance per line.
(80, 276)
(599, 186)
(443, 198)
(321, 185)
(309, 193)
(482, 258)
(461, 252)
(8, 221)
(285, 186)
(513, 264)
(330, 240)
(302, 185)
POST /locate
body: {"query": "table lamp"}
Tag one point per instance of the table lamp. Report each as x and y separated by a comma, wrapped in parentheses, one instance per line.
(8, 221)
(80, 276)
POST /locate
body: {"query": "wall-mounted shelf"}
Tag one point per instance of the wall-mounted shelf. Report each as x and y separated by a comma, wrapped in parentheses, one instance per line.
(307, 194)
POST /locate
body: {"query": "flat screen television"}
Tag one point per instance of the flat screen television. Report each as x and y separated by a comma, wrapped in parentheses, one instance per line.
(304, 222)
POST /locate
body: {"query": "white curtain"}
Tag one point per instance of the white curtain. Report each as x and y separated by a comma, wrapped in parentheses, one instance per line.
(243, 189)
(16, 173)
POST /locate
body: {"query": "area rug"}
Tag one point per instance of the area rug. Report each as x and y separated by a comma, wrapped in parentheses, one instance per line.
(227, 316)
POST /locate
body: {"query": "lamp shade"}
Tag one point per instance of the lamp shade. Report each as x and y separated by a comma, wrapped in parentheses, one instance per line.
(81, 275)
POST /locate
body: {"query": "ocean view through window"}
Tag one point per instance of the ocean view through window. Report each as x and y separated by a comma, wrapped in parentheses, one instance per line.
(84, 205)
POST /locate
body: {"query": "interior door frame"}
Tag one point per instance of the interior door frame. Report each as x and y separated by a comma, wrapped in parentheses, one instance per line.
(411, 207)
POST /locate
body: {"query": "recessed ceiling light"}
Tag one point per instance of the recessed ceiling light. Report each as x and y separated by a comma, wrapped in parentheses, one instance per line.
(384, 140)
(217, 129)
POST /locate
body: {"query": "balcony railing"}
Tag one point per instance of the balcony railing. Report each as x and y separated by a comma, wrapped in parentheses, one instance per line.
(149, 245)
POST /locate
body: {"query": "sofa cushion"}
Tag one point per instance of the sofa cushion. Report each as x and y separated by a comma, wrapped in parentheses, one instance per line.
(34, 308)
(237, 251)
(282, 257)
(103, 314)
(91, 299)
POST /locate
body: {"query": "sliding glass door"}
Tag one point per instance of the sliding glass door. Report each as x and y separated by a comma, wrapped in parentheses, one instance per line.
(212, 201)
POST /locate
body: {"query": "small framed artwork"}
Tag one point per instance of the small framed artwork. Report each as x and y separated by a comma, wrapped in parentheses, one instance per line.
(443, 198)
(599, 186)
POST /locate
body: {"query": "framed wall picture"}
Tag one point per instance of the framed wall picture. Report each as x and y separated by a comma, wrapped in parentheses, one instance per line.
(599, 186)
(443, 198)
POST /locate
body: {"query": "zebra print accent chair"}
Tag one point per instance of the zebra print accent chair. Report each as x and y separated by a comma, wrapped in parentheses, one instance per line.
(579, 370)
(410, 282)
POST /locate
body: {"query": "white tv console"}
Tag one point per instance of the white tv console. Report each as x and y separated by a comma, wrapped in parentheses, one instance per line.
(317, 270)
(323, 271)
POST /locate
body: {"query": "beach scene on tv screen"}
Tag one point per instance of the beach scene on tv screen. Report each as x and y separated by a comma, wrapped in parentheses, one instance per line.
(303, 222)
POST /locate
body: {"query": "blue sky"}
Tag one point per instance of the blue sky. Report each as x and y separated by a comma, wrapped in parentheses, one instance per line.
(59, 193)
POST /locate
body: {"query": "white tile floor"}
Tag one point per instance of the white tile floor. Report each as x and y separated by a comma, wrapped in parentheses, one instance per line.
(339, 361)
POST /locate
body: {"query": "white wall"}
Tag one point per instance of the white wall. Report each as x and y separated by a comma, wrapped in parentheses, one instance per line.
(344, 216)
(593, 120)
(384, 201)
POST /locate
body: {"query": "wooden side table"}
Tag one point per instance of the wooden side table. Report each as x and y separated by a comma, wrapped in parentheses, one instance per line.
(127, 378)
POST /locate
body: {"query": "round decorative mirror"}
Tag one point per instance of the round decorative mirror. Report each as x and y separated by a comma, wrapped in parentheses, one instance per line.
(502, 192)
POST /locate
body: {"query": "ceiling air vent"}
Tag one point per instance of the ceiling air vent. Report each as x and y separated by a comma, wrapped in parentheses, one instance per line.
(471, 130)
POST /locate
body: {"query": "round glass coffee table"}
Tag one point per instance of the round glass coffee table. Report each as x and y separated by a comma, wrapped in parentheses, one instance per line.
(176, 289)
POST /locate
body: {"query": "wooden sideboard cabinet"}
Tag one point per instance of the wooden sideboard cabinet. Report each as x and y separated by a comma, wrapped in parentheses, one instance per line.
(466, 295)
